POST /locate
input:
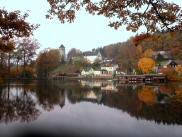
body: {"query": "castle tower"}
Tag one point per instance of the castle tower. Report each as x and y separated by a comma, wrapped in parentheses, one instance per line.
(62, 52)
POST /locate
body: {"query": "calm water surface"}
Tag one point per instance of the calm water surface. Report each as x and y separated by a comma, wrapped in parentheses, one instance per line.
(90, 108)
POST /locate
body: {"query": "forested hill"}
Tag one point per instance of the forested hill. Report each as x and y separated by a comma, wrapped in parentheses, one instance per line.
(126, 53)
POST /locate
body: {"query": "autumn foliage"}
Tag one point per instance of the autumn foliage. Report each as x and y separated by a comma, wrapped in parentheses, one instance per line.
(147, 95)
(47, 60)
(13, 24)
(139, 38)
(21, 72)
(146, 65)
(178, 69)
(157, 15)
(148, 53)
(6, 46)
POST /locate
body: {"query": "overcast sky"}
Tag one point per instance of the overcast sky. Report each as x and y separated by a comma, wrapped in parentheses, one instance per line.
(86, 33)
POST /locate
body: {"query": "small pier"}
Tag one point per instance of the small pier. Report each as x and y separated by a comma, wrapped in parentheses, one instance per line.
(152, 78)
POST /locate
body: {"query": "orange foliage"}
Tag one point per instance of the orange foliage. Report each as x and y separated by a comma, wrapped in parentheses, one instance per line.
(147, 95)
(146, 64)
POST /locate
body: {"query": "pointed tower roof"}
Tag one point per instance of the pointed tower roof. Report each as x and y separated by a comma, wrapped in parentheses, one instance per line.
(62, 46)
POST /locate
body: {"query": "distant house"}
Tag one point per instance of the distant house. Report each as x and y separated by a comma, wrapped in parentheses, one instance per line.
(162, 55)
(109, 69)
(119, 71)
(87, 72)
(92, 57)
(90, 72)
(97, 72)
(172, 63)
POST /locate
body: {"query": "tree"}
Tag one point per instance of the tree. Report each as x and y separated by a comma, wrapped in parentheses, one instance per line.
(74, 53)
(13, 24)
(146, 64)
(17, 56)
(26, 49)
(178, 69)
(148, 53)
(155, 15)
(47, 60)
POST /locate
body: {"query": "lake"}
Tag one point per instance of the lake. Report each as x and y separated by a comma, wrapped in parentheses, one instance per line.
(90, 109)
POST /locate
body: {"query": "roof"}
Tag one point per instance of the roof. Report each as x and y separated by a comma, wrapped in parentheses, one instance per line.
(62, 46)
(164, 54)
(89, 53)
(87, 69)
(92, 53)
(169, 62)
(109, 65)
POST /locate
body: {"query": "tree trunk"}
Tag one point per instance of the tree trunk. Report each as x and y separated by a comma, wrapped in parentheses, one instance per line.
(24, 64)
(9, 58)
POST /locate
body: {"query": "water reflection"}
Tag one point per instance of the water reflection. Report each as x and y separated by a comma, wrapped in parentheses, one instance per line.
(17, 104)
(26, 102)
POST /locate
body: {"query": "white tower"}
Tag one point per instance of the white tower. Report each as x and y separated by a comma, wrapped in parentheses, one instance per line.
(62, 52)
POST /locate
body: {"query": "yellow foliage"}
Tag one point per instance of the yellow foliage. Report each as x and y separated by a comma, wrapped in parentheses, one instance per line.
(146, 64)
(147, 95)
(148, 53)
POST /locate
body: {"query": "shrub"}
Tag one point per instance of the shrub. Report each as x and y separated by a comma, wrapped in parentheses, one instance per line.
(27, 73)
(171, 74)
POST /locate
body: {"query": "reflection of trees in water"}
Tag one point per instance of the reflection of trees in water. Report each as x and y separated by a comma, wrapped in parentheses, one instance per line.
(161, 112)
(162, 104)
(17, 105)
(50, 94)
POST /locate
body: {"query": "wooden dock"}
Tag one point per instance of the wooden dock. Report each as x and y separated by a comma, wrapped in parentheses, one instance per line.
(152, 78)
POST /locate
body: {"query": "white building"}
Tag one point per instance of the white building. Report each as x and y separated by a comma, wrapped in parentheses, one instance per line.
(90, 72)
(92, 57)
(87, 72)
(109, 68)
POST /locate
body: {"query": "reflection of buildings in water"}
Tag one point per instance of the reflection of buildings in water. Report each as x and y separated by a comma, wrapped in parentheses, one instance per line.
(91, 83)
(92, 96)
(107, 86)
(110, 87)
